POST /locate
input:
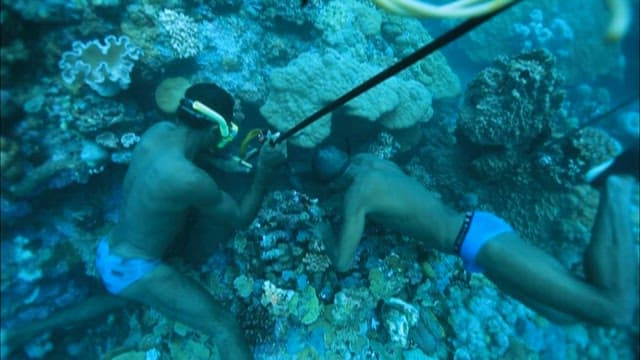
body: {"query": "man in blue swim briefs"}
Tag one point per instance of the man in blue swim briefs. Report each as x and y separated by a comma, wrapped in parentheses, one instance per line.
(161, 184)
(378, 190)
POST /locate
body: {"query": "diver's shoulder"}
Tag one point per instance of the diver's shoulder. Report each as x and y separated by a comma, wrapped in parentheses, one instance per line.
(364, 159)
(372, 162)
(158, 135)
(161, 127)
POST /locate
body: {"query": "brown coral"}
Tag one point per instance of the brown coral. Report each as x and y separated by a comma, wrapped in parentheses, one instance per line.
(513, 102)
(592, 147)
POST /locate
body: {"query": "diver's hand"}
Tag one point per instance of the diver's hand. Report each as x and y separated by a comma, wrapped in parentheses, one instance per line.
(230, 165)
(270, 156)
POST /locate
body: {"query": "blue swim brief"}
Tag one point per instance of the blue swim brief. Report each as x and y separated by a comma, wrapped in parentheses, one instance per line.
(478, 228)
(117, 272)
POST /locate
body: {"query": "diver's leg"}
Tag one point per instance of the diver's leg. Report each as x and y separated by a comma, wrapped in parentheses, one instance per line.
(182, 299)
(203, 240)
(73, 315)
(610, 259)
(532, 276)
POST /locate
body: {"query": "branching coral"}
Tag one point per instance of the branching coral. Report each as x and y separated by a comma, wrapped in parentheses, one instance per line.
(183, 33)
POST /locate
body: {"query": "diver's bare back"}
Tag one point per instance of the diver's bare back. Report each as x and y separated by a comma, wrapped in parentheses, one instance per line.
(153, 212)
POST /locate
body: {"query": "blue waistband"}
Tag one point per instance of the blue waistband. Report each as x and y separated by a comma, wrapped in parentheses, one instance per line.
(117, 272)
(484, 227)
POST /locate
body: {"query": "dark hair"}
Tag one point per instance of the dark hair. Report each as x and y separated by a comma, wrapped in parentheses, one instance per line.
(328, 163)
(210, 95)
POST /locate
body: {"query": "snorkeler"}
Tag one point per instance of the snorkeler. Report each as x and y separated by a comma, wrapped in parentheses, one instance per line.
(162, 183)
(378, 190)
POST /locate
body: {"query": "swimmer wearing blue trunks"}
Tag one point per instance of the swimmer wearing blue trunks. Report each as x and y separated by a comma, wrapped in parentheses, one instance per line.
(161, 188)
(117, 272)
(377, 190)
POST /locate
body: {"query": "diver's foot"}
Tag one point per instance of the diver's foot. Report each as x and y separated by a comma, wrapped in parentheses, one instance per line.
(619, 188)
(635, 325)
(12, 340)
(5, 349)
(632, 321)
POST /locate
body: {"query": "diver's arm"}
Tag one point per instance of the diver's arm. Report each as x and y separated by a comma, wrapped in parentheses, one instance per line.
(253, 198)
(352, 228)
(215, 206)
(269, 159)
(220, 206)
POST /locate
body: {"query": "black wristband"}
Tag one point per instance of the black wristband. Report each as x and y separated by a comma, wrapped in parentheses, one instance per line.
(457, 245)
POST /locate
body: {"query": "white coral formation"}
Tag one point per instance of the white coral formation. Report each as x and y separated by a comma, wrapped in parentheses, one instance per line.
(313, 79)
(104, 67)
(399, 317)
(183, 33)
(276, 299)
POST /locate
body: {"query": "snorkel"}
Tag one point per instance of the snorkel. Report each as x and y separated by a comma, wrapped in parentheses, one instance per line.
(202, 112)
(205, 115)
(208, 107)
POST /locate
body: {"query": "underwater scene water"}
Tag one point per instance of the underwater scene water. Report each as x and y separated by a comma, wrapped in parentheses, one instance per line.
(497, 122)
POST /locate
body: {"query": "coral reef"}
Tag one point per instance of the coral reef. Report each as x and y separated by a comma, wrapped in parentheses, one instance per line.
(509, 167)
(66, 140)
(312, 79)
(590, 147)
(556, 35)
(48, 11)
(10, 162)
(63, 147)
(572, 30)
(271, 12)
(434, 72)
(398, 317)
(513, 102)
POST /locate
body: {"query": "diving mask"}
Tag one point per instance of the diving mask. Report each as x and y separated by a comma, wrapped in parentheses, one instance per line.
(195, 108)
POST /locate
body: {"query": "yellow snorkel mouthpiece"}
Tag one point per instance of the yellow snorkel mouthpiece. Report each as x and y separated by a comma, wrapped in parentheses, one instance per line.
(231, 135)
